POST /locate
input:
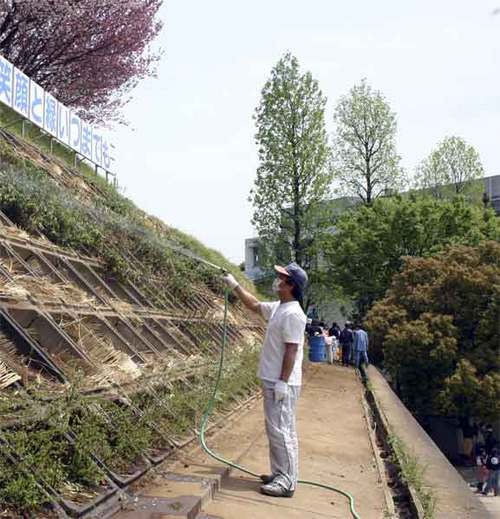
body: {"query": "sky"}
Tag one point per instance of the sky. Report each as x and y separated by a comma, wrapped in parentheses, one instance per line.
(188, 154)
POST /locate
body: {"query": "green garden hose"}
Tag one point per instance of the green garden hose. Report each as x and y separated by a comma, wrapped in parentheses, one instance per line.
(208, 411)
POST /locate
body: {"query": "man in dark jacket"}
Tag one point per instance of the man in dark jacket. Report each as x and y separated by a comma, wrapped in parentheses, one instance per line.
(345, 340)
(334, 331)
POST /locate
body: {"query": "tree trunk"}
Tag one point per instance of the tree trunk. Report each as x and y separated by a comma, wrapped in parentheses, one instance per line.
(297, 250)
(297, 224)
(369, 187)
(368, 171)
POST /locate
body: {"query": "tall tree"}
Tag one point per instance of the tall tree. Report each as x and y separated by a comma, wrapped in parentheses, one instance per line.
(365, 161)
(87, 53)
(293, 178)
(451, 168)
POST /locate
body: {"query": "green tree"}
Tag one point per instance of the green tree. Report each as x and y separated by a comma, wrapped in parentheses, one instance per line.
(293, 177)
(453, 168)
(365, 161)
(370, 241)
(437, 331)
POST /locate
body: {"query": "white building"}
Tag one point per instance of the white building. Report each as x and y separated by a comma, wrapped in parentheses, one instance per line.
(253, 270)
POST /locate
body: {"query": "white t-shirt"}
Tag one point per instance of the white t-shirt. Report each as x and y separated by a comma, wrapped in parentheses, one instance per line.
(286, 323)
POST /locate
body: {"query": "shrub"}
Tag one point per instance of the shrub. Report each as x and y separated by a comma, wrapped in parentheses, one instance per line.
(436, 331)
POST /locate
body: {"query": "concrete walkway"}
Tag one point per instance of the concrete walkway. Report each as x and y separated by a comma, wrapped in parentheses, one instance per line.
(453, 496)
(335, 449)
(490, 502)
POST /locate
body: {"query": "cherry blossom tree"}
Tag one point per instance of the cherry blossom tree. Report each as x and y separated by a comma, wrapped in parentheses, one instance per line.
(90, 54)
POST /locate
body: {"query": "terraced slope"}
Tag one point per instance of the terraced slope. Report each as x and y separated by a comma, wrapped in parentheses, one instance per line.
(109, 330)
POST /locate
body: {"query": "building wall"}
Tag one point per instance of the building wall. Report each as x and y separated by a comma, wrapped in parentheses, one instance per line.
(492, 189)
(253, 270)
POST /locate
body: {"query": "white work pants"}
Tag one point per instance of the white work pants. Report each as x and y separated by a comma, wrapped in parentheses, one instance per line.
(282, 433)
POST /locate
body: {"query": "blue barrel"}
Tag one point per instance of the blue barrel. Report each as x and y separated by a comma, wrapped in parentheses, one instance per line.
(317, 348)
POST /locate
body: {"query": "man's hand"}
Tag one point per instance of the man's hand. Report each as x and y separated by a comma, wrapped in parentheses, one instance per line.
(248, 299)
(280, 390)
(230, 281)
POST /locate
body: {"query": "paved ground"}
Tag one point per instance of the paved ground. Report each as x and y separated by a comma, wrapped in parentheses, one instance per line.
(490, 502)
(334, 449)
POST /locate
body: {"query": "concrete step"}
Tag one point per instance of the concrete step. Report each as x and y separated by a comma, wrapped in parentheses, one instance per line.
(171, 495)
(184, 483)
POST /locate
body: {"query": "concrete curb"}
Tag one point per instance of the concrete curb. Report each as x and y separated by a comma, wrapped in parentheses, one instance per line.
(418, 509)
(389, 503)
(452, 496)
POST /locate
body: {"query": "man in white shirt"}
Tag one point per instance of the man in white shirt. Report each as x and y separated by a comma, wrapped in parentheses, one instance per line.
(280, 371)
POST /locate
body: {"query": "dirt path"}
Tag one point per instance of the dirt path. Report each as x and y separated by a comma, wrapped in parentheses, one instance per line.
(334, 449)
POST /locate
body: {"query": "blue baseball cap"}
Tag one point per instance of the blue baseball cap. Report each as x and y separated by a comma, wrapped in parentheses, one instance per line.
(295, 273)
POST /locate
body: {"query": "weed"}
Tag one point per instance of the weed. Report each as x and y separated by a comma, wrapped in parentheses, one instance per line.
(413, 474)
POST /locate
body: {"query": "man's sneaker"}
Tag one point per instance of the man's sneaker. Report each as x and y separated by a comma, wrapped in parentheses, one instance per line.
(267, 478)
(277, 488)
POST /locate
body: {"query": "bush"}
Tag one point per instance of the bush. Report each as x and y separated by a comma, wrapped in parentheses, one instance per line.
(436, 331)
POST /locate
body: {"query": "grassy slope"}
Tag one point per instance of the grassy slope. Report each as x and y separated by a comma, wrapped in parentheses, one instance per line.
(92, 220)
(112, 200)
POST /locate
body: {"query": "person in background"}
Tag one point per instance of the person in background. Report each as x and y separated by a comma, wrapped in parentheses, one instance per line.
(328, 346)
(360, 346)
(312, 312)
(315, 328)
(345, 341)
(468, 433)
(480, 435)
(493, 465)
(335, 347)
(334, 331)
(308, 326)
(481, 469)
(489, 439)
